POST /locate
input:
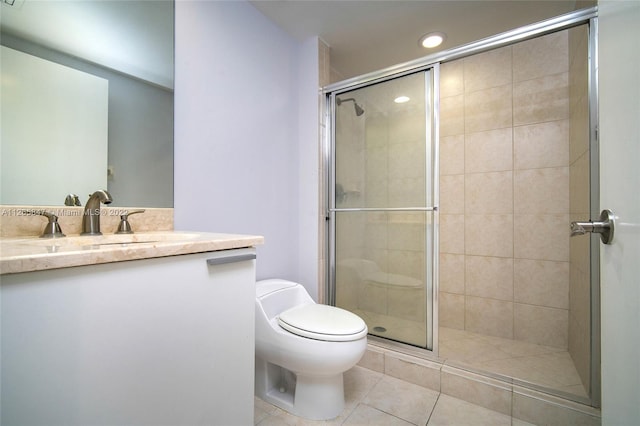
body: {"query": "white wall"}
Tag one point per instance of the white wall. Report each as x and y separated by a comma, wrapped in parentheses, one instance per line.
(308, 165)
(619, 105)
(241, 109)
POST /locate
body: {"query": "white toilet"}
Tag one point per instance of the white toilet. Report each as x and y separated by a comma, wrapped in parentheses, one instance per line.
(302, 350)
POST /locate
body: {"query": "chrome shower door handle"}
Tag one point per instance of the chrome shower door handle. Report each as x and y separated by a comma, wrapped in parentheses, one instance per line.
(604, 227)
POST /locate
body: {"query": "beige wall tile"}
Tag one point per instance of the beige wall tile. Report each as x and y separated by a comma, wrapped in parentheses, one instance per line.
(488, 193)
(407, 303)
(452, 194)
(538, 409)
(413, 370)
(476, 390)
(580, 272)
(451, 79)
(372, 297)
(489, 316)
(488, 69)
(518, 220)
(376, 131)
(406, 192)
(375, 234)
(378, 256)
(580, 350)
(539, 282)
(490, 277)
(489, 235)
(452, 273)
(541, 237)
(452, 155)
(579, 75)
(489, 151)
(347, 282)
(407, 125)
(452, 116)
(541, 56)
(579, 131)
(578, 42)
(541, 190)
(407, 263)
(579, 187)
(452, 233)
(488, 109)
(541, 325)
(373, 359)
(451, 310)
(406, 236)
(406, 160)
(542, 99)
(541, 145)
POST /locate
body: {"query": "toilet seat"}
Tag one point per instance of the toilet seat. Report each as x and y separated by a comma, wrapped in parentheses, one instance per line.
(323, 322)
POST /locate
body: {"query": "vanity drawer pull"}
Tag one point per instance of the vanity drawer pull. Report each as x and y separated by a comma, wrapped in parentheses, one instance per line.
(231, 259)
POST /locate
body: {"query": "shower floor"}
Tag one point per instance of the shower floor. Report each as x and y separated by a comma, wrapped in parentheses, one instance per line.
(545, 366)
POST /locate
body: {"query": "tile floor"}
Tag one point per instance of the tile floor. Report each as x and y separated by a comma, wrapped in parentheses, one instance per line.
(541, 365)
(374, 398)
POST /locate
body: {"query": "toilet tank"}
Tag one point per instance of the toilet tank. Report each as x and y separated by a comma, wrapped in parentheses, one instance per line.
(276, 296)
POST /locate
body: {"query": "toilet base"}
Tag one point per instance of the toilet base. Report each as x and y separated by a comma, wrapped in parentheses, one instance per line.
(314, 398)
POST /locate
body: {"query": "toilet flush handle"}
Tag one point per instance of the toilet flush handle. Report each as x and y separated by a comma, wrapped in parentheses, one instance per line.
(604, 227)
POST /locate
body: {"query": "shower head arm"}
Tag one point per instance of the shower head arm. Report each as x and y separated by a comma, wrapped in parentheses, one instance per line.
(340, 101)
(358, 108)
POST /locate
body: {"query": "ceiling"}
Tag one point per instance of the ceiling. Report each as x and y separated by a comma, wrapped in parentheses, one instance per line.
(369, 35)
(363, 35)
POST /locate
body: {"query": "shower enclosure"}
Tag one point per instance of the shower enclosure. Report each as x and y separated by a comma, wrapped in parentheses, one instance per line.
(383, 207)
(453, 181)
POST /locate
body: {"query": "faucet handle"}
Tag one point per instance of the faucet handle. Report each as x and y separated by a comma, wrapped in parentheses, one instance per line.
(72, 200)
(125, 226)
(51, 229)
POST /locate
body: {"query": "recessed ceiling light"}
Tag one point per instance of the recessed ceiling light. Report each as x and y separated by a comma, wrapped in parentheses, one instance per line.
(432, 40)
(401, 99)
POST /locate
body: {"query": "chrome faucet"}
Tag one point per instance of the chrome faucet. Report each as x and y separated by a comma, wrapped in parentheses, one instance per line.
(91, 218)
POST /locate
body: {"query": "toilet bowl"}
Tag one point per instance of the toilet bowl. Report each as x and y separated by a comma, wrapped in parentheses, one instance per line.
(303, 349)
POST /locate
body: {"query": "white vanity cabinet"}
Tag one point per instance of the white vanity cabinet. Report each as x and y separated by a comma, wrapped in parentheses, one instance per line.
(161, 341)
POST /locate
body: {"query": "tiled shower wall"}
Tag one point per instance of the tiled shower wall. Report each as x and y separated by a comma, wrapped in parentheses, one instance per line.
(514, 163)
(580, 273)
(504, 192)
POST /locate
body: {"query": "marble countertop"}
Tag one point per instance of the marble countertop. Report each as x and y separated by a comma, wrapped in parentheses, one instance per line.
(37, 254)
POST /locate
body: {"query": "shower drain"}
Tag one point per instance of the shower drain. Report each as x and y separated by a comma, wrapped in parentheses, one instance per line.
(379, 329)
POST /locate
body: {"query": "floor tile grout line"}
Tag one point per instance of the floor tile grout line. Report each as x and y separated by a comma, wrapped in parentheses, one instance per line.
(433, 409)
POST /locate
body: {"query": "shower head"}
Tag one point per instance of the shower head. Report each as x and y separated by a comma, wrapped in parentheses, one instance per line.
(358, 108)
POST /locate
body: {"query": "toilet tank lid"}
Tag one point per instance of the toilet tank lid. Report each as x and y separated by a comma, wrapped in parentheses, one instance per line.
(265, 287)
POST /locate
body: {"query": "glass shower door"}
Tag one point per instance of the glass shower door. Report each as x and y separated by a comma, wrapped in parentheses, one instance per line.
(382, 207)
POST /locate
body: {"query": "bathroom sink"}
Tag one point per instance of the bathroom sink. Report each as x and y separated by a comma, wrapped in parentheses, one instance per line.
(113, 239)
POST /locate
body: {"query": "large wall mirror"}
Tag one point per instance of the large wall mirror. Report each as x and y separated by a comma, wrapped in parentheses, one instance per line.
(58, 136)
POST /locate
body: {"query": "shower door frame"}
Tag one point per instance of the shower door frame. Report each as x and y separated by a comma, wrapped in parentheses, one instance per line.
(588, 16)
(432, 80)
